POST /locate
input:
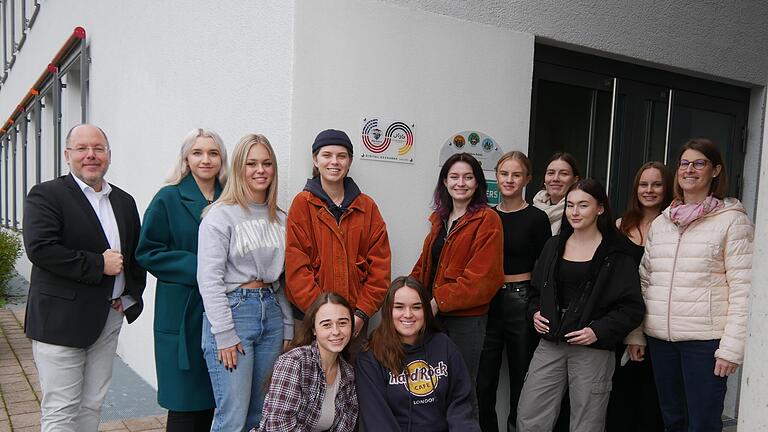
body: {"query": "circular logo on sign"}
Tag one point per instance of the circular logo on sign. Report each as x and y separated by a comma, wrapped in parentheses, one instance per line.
(401, 134)
(422, 379)
(458, 141)
(488, 145)
(474, 138)
(372, 137)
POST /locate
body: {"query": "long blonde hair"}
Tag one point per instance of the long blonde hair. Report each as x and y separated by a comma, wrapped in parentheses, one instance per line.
(236, 190)
(181, 168)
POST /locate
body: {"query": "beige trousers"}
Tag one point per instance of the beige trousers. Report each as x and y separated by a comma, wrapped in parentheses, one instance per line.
(75, 380)
(586, 372)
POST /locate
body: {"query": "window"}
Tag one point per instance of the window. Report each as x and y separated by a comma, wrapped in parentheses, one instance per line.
(16, 18)
(31, 143)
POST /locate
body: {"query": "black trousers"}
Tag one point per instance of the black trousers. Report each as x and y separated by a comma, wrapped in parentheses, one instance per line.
(467, 332)
(189, 421)
(634, 403)
(507, 328)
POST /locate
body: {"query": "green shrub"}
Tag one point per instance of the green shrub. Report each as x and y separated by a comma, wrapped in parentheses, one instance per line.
(10, 251)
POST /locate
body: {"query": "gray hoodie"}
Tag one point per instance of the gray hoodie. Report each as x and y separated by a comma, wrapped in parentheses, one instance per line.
(236, 246)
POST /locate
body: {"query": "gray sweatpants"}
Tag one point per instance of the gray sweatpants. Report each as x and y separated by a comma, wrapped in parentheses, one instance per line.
(586, 371)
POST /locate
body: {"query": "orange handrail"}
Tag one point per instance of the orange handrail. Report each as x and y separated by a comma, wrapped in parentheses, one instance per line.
(78, 34)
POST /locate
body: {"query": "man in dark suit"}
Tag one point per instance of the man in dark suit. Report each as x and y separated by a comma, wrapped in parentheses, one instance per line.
(80, 234)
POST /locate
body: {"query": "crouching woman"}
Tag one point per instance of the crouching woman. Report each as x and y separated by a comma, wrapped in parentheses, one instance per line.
(412, 377)
(585, 298)
(313, 385)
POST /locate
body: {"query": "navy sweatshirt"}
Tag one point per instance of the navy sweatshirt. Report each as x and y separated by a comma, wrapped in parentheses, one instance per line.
(433, 396)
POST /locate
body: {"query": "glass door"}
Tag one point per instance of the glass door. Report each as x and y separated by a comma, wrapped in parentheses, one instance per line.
(721, 120)
(615, 116)
(572, 113)
(639, 135)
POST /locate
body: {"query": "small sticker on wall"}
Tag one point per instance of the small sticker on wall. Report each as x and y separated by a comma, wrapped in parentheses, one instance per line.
(488, 145)
(387, 140)
(458, 141)
(474, 138)
(483, 147)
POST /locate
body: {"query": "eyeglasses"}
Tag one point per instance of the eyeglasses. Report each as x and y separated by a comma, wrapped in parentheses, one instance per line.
(99, 149)
(698, 164)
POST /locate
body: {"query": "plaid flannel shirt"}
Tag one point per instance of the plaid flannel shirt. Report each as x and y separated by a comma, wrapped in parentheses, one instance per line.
(296, 394)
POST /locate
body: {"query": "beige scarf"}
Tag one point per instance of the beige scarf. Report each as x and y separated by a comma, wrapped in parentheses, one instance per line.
(553, 211)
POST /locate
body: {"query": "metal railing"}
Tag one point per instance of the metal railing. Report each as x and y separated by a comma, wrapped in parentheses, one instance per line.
(36, 124)
(16, 20)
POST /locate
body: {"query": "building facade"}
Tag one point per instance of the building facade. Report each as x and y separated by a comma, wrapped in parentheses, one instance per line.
(616, 83)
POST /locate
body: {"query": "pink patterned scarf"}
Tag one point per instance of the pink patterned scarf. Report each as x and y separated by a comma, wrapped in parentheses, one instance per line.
(683, 214)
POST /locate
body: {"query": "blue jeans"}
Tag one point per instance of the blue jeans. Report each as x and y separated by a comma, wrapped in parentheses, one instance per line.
(691, 396)
(240, 393)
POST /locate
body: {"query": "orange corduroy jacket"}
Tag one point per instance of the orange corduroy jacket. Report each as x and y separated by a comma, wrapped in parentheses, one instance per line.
(351, 258)
(470, 269)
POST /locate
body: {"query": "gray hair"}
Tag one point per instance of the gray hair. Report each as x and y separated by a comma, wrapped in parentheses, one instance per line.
(181, 168)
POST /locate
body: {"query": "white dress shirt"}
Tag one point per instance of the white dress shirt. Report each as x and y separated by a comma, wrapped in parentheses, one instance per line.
(103, 209)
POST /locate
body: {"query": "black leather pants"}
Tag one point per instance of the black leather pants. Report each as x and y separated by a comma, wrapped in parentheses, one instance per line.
(507, 328)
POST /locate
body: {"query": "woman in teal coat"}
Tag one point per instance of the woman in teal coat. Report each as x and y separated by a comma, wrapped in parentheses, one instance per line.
(168, 250)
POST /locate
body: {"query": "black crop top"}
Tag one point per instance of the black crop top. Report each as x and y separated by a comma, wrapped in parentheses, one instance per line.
(525, 232)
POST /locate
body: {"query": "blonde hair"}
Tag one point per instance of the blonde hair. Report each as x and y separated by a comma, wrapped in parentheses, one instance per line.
(181, 168)
(518, 156)
(236, 190)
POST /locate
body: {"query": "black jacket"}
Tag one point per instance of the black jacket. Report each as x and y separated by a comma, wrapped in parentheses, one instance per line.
(610, 302)
(69, 294)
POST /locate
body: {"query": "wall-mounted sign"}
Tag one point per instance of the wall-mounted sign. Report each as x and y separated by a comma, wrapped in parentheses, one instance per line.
(493, 191)
(387, 140)
(484, 148)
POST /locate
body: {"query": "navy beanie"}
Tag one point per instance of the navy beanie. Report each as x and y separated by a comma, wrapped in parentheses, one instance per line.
(332, 137)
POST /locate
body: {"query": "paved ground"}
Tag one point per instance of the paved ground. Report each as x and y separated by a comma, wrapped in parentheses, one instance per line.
(20, 387)
(129, 396)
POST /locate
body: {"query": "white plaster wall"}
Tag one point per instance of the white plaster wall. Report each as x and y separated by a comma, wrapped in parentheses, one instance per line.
(752, 163)
(714, 38)
(755, 376)
(160, 69)
(750, 201)
(361, 58)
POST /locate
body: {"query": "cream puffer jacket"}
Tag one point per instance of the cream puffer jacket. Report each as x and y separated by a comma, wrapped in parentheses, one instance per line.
(696, 281)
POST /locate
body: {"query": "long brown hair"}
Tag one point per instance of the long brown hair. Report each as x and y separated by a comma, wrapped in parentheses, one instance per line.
(385, 342)
(305, 334)
(719, 186)
(634, 213)
(442, 201)
(567, 158)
